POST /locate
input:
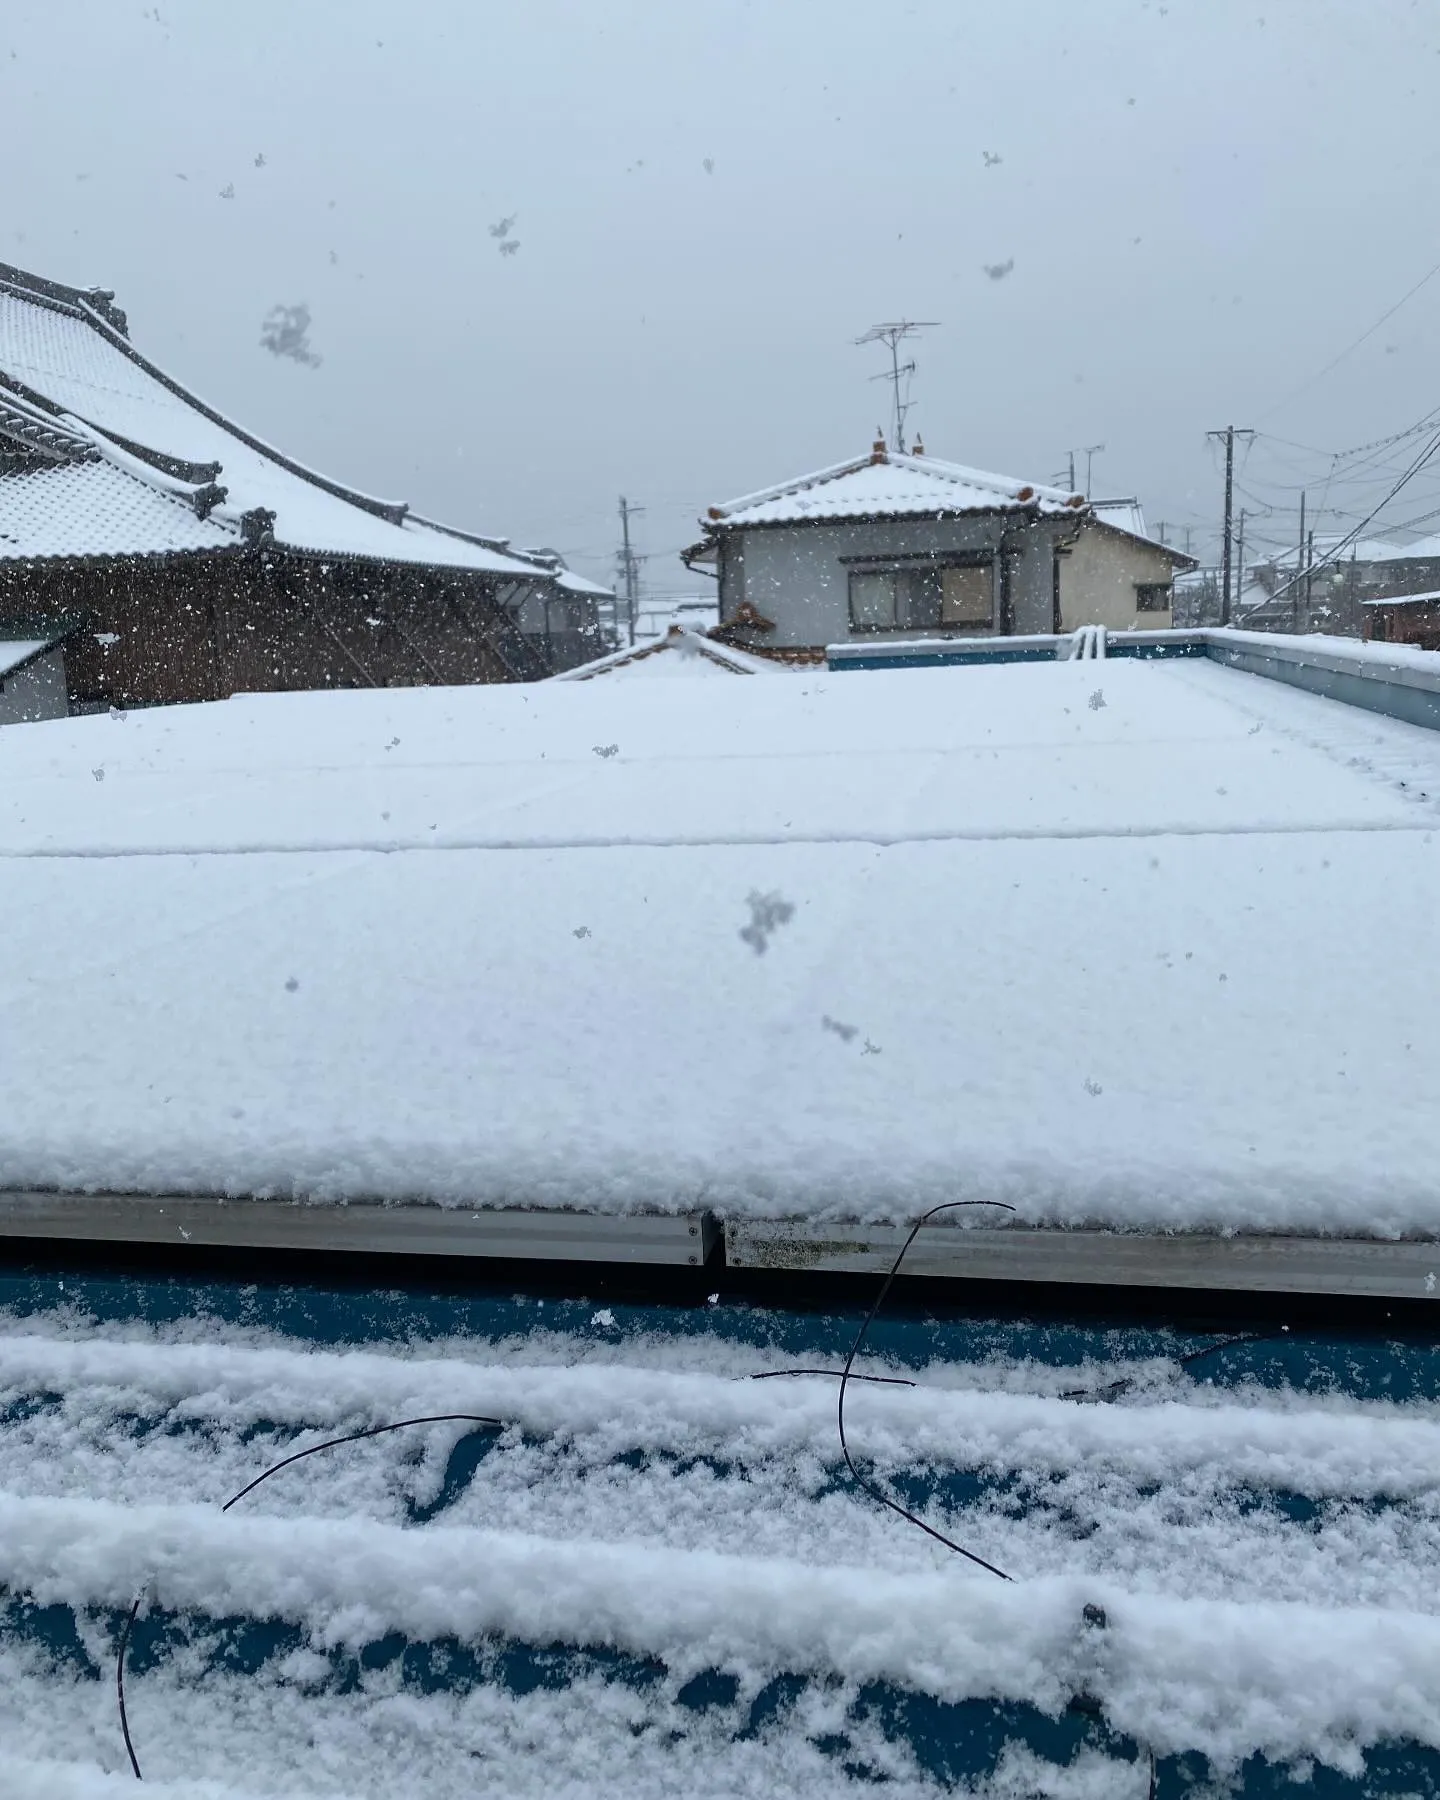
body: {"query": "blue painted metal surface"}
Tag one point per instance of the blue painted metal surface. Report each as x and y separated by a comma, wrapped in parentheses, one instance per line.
(952, 1743)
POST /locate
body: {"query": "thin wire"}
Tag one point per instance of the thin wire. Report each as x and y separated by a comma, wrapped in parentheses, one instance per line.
(1126, 1382)
(880, 1380)
(1350, 537)
(351, 1437)
(869, 1487)
(1335, 361)
(354, 1437)
(120, 1683)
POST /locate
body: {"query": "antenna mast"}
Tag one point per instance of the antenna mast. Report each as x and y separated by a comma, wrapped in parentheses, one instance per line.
(893, 334)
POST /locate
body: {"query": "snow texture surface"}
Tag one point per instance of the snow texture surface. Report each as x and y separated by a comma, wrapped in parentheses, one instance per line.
(650, 1525)
(1160, 963)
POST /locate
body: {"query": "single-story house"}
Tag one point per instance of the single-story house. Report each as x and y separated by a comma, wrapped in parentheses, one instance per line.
(203, 561)
(905, 545)
(32, 674)
(1403, 619)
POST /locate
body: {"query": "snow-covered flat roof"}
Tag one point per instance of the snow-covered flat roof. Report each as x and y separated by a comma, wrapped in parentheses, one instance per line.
(1139, 943)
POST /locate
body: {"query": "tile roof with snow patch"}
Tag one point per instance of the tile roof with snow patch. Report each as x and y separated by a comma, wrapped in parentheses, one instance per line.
(93, 508)
(890, 485)
(65, 360)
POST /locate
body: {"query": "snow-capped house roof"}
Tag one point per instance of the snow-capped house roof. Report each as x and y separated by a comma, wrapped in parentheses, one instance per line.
(891, 485)
(120, 459)
(679, 652)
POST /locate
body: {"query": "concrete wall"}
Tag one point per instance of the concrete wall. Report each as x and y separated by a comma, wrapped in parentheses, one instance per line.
(35, 692)
(795, 575)
(1098, 578)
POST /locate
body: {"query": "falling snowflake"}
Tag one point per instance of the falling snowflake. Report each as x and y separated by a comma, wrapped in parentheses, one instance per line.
(768, 912)
(991, 158)
(998, 271)
(291, 985)
(1097, 700)
(843, 1032)
(99, 774)
(606, 750)
(228, 191)
(503, 227)
(708, 165)
(581, 931)
(510, 246)
(286, 332)
(260, 159)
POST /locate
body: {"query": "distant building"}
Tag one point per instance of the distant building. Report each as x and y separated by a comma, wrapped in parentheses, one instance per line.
(904, 546)
(1403, 619)
(32, 677)
(1333, 587)
(200, 560)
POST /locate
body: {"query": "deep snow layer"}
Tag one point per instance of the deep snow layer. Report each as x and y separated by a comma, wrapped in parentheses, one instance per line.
(1138, 943)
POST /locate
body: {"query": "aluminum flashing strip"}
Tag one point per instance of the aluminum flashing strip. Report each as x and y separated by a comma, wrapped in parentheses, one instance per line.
(1247, 1264)
(684, 1239)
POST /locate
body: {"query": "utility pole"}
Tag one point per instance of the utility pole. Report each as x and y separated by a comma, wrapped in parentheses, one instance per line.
(1299, 564)
(628, 564)
(1240, 560)
(1309, 576)
(1089, 452)
(893, 335)
(1160, 528)
(1188, 530)
(1229, 433)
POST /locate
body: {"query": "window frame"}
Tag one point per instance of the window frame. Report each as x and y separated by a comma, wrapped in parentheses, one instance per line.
(922, 562)
(1146, 588)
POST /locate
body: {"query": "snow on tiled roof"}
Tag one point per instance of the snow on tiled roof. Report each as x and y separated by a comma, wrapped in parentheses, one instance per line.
(97, 509)
(83, 367)
(899, 486)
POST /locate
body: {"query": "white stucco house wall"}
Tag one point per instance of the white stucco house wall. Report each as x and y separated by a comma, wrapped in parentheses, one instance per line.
(899, 546)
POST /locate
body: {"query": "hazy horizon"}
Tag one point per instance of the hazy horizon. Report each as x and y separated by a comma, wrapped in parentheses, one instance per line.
(1196, 206)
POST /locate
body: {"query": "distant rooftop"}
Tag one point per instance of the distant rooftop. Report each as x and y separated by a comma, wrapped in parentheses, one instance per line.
(889, 484)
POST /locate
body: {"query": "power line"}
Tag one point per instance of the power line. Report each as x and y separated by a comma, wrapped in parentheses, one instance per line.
(1355, 344)
(1338, 550)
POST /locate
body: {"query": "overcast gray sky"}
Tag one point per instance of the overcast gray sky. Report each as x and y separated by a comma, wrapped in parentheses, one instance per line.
(1204, 201)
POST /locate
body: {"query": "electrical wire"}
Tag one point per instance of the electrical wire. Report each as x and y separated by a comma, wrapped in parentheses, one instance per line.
(1354, 344)
(869, 1487)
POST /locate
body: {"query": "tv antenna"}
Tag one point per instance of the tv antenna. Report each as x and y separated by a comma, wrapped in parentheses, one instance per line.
(893, 334)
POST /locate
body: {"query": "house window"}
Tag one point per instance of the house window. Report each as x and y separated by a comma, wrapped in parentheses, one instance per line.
(923, 597)
(1152, 596)
(967, 596)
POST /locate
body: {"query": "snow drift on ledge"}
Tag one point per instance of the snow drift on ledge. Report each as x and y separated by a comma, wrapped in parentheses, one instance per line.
(1138, 943)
